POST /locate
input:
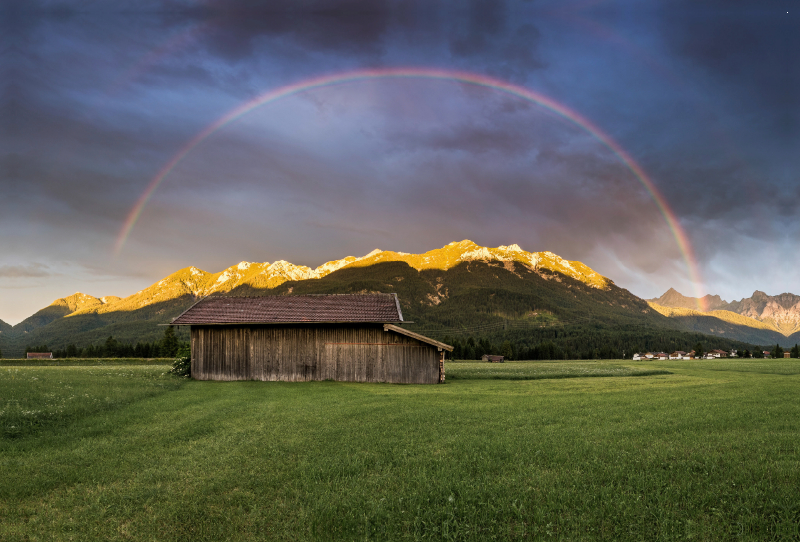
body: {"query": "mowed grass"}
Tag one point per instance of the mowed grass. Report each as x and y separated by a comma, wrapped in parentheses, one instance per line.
(708, 452)
(36, 397)
(544, 370)
(82, 362)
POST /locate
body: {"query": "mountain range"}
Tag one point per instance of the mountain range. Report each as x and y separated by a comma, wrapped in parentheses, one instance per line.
(779, 314)
(458, 290)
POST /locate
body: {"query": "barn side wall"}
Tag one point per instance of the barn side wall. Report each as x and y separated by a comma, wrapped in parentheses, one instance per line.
(311, 352)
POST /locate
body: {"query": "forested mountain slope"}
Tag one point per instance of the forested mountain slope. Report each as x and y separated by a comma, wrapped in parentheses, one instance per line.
(461, 290)
(534, 309)
(5, 329)
(60, 308)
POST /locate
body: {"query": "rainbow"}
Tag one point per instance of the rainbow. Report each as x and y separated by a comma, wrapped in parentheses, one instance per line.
(479, 80)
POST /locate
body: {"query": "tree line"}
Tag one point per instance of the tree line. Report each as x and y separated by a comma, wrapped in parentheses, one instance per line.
(587, 342)
(573, 342)
(552, 349)
(545, 350)
(777, 352)
(166, 347)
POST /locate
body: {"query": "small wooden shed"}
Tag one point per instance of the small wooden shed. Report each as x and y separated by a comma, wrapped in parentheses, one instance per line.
(493, 359)
(40, 355)
(347, 337)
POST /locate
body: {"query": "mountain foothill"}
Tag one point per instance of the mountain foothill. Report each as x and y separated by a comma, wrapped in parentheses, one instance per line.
(460, 292)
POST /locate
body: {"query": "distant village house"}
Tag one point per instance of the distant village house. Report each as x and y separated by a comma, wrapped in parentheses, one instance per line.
(40, 355)
(678, 354)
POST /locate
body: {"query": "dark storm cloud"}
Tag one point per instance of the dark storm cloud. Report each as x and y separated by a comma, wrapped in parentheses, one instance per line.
(751, 49)
(96, 98)
(481, 31)
(720, 138)
(688, 179)
(54, 177)
(486, 31)
(354, 26)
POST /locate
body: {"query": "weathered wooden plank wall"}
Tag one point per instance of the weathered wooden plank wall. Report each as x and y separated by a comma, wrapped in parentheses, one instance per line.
(297, 353)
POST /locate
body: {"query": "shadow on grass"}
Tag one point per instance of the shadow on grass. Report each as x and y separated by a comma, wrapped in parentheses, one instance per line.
(543, 374)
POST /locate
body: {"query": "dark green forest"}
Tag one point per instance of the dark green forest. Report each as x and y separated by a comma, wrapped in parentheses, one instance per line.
(585, 342)
(167, 347)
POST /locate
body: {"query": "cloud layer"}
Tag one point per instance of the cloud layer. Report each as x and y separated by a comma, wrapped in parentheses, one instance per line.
(95, 101)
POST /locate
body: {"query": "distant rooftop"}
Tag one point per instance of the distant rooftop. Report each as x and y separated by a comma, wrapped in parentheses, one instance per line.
(288, 309)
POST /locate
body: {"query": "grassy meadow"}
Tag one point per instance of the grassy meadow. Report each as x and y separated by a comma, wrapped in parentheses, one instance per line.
(611, 450)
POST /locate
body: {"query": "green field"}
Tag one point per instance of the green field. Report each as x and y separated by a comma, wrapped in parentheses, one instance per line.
(707, 450)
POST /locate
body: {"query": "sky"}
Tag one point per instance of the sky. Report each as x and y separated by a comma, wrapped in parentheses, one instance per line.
(657, 142)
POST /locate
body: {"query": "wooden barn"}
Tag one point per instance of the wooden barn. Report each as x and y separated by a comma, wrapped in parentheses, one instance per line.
(40, 355)
(493, 359)
(347, 337)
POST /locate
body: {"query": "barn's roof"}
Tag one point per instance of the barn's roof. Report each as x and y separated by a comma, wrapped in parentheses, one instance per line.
(290, 309)
(423, 338)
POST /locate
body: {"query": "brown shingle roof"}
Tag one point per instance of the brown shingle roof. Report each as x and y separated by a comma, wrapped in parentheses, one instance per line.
(378, 308)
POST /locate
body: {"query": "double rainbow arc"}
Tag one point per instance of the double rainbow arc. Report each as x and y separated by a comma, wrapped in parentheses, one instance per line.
(479, 80)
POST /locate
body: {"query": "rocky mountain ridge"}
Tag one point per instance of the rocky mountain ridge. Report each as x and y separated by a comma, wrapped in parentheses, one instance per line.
(198, 283)
(459, 289)
(673, 298)
(779, 312)
(461, 286)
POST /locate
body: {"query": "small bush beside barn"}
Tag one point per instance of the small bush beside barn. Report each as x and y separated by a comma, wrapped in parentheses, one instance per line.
(347, 337)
